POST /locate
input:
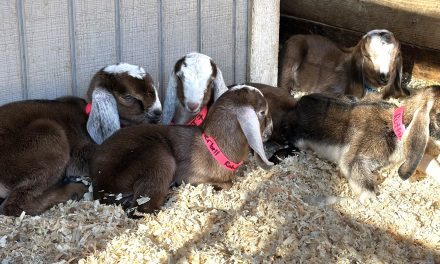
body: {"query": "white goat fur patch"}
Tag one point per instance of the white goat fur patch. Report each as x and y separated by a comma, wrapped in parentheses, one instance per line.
(197, 72)
(383, 51)
(332, 153)
(251, 88)
(132, 70)
(157, 105)
(3, 191)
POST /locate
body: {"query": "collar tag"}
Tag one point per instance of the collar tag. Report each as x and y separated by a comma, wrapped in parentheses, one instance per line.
(199, 118)
(218, 155)
(398, 126)
(88, 108)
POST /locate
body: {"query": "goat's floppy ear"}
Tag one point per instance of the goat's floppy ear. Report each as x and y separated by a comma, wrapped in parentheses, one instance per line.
(415, 141)
(169, 104)
(103, 119)
(219, 83)
(248, 120)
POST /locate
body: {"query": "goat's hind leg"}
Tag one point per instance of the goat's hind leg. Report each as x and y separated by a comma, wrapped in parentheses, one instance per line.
(40, 157)
(154, 182)
(361, 178)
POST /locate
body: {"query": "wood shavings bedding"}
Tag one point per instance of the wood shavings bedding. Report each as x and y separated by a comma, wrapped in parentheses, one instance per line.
(262, 218)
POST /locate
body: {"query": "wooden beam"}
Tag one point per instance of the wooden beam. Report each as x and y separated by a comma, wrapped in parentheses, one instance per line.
(263, 41)
(418, 63)
(414, 22)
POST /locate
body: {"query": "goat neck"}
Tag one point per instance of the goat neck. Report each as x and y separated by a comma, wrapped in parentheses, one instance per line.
(228, 136)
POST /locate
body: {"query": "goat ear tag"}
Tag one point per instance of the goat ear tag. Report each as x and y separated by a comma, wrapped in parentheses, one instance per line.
(398, 126)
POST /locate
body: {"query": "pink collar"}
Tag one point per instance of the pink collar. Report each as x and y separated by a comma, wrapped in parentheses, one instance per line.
(88, 108)
(199, 118)
(398, 126)
(218, 155)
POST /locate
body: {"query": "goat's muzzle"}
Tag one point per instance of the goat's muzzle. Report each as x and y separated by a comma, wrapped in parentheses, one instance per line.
(384, 78)
(154, 116)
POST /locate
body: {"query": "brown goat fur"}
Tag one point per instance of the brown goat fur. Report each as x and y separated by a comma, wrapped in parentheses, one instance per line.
(359, 137)
(44, 142)
(315, 64)
(145, 160)
(41, 142)
(281, 103)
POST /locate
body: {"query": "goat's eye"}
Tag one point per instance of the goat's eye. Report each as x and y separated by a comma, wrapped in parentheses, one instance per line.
(261, 113)
(128, 98)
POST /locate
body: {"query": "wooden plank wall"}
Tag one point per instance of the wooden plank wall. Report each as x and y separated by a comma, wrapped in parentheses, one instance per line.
(52, 48)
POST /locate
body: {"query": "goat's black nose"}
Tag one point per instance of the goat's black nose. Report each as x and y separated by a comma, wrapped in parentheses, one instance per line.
(157, 112)
(383, 78)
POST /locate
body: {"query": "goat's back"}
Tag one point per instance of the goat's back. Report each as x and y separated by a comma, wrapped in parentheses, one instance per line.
(312, 63)
(68, 112)
(338, 120)
(118, 161)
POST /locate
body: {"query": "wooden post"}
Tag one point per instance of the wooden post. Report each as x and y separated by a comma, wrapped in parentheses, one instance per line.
(263, 41)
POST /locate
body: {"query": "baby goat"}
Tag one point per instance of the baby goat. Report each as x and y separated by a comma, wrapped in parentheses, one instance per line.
(365, 136)
(194, 84)
(45, 142)
(143, 161)
(314, 64)
(121, 95)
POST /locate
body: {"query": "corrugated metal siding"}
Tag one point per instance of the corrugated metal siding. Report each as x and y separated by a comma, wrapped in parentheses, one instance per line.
(52, 48)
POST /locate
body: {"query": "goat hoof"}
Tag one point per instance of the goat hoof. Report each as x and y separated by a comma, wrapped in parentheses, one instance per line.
(76, 190)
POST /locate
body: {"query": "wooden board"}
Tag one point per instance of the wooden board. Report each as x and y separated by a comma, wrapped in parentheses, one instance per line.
(179, 34)
(11, 87)
(414, 22)
(95, 39)
(217, 38)
(418, 63)
(140, 36)
(264, 40)
(241, 40)
(53, 48)
(48, 55)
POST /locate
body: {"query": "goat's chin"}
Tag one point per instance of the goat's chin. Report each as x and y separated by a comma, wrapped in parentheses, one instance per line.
(137, 120)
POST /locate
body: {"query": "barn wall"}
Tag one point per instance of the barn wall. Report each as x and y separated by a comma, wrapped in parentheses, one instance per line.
(52, 48)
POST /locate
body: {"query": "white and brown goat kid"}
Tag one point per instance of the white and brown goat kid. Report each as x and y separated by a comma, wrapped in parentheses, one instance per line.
(43, 143)
(315, 64)
(194, 84)
(143, 161)
(121, 95)
(362, 137)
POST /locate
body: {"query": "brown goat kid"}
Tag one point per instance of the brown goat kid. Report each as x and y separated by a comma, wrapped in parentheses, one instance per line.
(363, 136)
(45, 142)
(143, 161)
(315, 64)
(40, 143)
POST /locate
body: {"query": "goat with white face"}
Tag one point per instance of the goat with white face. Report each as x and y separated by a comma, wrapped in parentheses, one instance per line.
(145, 160)
(315, 64)
(121, 95)
(195, 83)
